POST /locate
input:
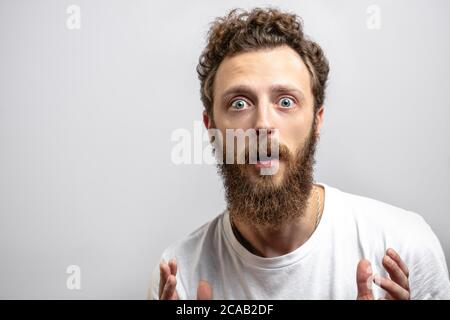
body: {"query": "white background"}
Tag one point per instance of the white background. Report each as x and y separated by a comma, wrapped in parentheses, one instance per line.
(86, 118)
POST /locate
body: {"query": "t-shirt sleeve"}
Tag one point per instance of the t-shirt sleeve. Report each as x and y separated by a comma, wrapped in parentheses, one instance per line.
(428, 276)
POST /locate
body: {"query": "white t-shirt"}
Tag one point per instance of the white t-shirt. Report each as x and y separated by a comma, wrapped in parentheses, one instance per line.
(324, 267)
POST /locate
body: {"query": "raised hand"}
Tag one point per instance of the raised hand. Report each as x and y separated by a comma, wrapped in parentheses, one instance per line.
(168, 283)
(396, 286)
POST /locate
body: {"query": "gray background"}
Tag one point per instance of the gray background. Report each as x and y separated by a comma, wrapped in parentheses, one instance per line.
(86, 118)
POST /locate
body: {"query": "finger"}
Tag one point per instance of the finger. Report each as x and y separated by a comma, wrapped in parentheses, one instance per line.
(164, 273)
(396, 257)
(364, 280)
(173, 266)
(395, 272)
(173, 270)
(169, 289)
(393, 289)
(204, 291)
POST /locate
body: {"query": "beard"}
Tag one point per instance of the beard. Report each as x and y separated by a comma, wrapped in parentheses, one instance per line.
(259, 201)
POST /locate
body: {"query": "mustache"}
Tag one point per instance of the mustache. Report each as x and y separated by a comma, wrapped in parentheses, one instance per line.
(262, 152)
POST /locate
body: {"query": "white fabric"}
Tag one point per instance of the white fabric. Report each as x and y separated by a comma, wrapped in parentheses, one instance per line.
(324, 267)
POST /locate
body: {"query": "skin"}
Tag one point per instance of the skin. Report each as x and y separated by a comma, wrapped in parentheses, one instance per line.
(396, 286)
(257, 74)
(168, 283)
(262, 79)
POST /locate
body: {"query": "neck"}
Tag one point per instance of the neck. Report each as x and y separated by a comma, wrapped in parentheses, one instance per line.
(266, 241)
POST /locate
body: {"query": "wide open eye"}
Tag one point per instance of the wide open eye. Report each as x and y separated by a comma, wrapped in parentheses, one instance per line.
(239, 104)
(286, 103)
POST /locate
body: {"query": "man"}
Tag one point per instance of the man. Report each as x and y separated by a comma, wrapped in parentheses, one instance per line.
(283, 236)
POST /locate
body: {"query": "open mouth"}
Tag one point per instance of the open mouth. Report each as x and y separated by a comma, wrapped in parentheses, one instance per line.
(264, 164)
(261, 160)
(265, 161)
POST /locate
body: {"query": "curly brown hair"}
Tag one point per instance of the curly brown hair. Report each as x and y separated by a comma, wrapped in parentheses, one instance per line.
(261, 28)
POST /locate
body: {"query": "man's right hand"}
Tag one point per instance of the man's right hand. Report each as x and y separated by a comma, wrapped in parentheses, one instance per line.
(168, 283)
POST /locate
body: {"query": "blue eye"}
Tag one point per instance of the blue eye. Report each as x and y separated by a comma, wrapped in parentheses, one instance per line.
(286, 102)
(238, 104)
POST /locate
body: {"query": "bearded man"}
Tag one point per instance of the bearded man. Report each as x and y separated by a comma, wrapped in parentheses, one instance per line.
(283, 235)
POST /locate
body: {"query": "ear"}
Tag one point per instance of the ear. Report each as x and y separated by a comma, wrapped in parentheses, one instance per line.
(206, 120)
(319, 119)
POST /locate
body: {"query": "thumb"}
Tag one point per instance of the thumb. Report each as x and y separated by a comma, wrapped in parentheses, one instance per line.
(204, 291)
(364, 280)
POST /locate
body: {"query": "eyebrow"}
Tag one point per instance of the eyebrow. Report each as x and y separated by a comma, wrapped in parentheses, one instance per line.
(278, 88)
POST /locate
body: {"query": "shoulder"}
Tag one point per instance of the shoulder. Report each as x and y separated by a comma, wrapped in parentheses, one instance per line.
(375, 216)
(379, 225)
(200, 238)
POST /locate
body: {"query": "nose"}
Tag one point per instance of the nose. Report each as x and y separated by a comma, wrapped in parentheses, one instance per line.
(263, 119)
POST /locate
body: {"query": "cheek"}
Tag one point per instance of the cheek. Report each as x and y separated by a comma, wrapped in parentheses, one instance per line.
(237, 121)
(293, 134)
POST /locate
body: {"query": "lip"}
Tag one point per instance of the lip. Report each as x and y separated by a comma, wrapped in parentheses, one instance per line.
(266, 163)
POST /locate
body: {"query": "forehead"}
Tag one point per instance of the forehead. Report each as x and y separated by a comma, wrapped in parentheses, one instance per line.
(262, 68)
